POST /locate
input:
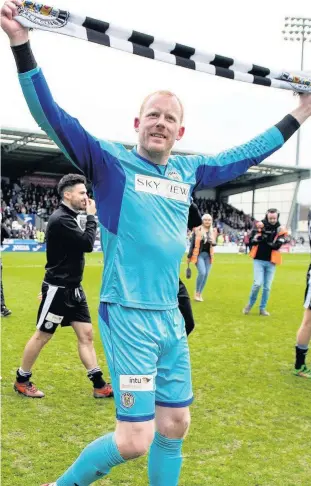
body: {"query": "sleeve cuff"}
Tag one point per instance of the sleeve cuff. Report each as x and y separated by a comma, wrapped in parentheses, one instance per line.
(90, 217)
(24, 58)
(288, 126)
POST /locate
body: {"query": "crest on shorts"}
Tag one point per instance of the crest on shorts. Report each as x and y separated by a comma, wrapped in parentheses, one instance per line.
(48, 325)
(127, 400)
(43, 15)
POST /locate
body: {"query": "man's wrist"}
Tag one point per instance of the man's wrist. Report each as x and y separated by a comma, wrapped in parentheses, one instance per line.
(19, 39)
(24, 58)
(302, 113)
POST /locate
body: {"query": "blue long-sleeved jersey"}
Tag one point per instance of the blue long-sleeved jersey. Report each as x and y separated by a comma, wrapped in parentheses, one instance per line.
(142, 207)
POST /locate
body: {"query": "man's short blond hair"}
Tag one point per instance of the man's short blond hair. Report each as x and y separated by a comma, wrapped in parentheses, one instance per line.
(163, 93)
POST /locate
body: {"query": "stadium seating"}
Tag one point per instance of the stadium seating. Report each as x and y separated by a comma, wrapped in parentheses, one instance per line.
(18, 199)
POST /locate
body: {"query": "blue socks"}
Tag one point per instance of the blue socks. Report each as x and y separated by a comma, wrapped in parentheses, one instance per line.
(94, 462)
(165, 460)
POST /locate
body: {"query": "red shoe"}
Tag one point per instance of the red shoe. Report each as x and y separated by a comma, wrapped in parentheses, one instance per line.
(103, 392)
(28, 389)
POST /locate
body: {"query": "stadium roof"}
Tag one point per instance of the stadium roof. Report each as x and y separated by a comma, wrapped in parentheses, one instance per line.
(25, 152)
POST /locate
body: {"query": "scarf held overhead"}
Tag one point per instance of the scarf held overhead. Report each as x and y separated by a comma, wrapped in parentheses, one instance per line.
(38, 16)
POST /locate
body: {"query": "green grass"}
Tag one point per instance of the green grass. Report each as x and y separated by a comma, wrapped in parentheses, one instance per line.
(251, 419)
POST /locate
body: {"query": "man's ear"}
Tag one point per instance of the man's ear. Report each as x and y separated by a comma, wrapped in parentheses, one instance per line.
(181, 133)
(136, 124)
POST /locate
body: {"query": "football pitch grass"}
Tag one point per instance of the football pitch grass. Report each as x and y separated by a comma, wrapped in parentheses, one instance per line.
(251, 418)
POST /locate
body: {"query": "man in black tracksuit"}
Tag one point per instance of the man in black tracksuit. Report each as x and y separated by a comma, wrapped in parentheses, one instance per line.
(184, 302)
(63, 299)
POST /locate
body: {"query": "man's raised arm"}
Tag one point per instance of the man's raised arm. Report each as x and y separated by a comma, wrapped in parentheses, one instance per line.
(230, 164)
(81, 148)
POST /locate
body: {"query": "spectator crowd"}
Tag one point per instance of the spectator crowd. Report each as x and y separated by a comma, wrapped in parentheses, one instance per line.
(18, 200)
(222, 212)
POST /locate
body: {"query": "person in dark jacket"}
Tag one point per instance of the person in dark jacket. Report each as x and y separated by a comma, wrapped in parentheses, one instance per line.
(184, 303)
(5, 312)
(63, 299)
(266, 239)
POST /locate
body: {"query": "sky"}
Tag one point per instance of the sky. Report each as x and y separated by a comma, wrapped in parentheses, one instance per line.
(103, 87)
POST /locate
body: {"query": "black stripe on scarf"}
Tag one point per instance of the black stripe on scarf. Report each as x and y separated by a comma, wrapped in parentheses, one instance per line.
(98, 37)
(185, 63)
(143, 51)
(222, 61)
(224, 73)
(182, 51)
(262, 81)
(95, 31)
(259, 71)
(97, 25)
(140, 39)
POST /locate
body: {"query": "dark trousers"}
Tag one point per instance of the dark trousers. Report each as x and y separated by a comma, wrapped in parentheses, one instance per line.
(184, 304)
(2, 294)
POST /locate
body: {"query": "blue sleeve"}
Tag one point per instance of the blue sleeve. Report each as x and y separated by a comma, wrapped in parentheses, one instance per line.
(81, 148)
(230, 164)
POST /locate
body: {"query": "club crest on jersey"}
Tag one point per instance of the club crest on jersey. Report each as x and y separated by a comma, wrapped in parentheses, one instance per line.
(127, 400)
(173, 174)
(43, 15)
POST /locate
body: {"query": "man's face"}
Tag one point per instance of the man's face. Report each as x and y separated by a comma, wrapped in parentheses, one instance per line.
(159, 124)
(272, 218)
(76, 196)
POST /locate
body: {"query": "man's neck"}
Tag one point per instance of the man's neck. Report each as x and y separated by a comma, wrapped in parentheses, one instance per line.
(154, 157)
(68, 205)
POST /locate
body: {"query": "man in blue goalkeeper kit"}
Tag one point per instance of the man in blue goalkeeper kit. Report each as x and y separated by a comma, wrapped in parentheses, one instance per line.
(141, 327)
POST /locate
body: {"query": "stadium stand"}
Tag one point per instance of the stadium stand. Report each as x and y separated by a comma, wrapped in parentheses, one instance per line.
(20, 201)
(28, 201)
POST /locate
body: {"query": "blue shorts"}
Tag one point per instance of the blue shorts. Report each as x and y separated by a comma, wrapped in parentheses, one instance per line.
(148, 358)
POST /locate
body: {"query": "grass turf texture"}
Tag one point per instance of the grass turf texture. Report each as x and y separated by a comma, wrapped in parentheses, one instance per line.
(251, 419)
